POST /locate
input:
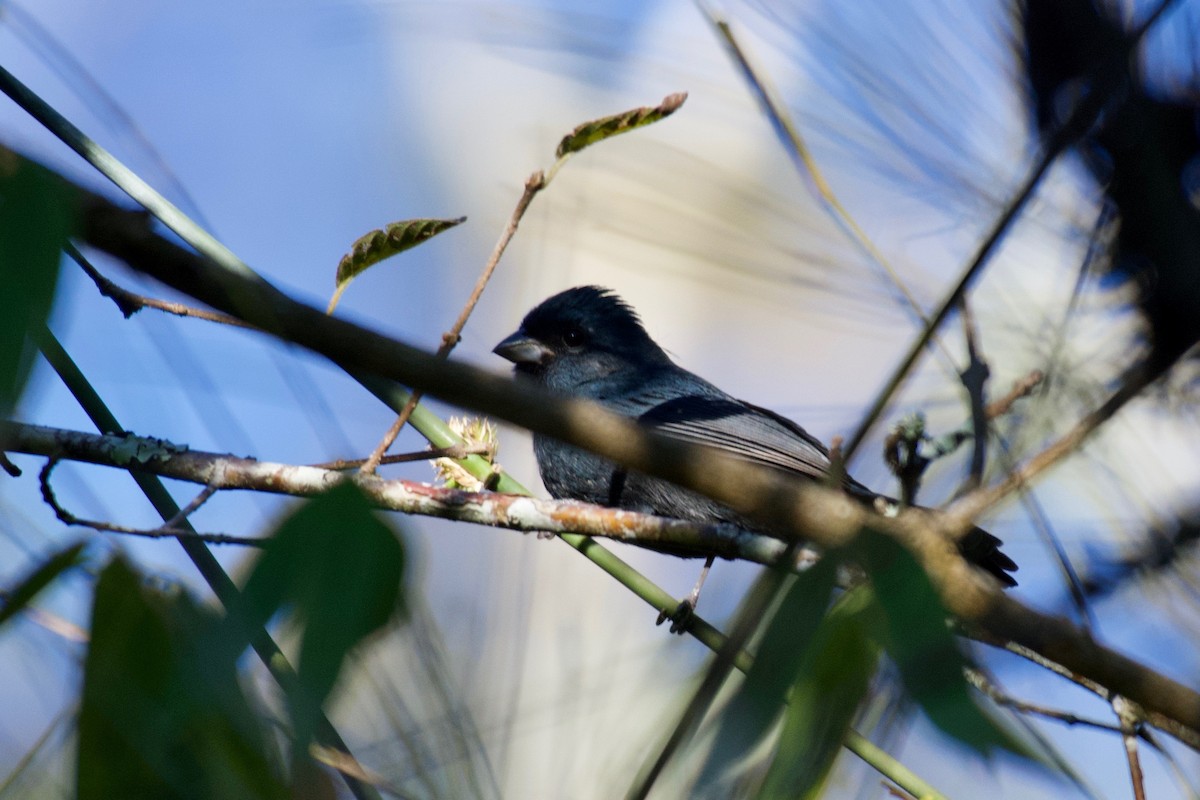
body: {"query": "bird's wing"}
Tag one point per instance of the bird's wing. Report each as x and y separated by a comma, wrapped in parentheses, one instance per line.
(740, 429)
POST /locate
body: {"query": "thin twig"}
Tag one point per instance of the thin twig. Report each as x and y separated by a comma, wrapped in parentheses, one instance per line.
(1020, 389)
(1189, 736)
(130, 303)
(1130, 723)
(8, 466)
(165, 531)
(985, 685)
(982, 499)
(454, 451)
(1041, 522)
(974, 378)
(789, 135)
(533, 184)
(1082, 117)
(203, 497)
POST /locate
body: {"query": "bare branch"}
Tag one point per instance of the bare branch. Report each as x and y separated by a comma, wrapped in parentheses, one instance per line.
(1189, 736)
(974, 378)
(985, 685)
(165, 531)
(130, 303)
(533, 184)
(982, 499)
(1021, 388)
(205, 495)
(1130, 723)
(516, 512)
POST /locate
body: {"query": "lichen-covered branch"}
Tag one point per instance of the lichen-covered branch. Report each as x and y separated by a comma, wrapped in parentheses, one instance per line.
(516, 512)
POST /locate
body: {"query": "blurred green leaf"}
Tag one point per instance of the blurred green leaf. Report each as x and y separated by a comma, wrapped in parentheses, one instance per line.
(753, 710)
(378, 245)
(591, 132)
(337, 568)
(37, 211)
(39, 579)
(833, 680)
(162, 713)
(916, 635)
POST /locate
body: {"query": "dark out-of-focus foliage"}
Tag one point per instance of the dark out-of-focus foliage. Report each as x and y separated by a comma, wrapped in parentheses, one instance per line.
(1161, 550)
(1145, 154)
(36, 216)
(163, 712)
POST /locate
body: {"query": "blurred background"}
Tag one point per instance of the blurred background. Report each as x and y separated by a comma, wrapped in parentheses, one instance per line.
(291, 129)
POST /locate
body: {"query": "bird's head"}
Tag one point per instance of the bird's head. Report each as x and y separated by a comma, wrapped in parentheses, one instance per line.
(578, 336)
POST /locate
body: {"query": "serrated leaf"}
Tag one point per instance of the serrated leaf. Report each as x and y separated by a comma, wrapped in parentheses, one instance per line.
(754, 709)
(337, 568)
(591, 132)
(162, 714)
(37, 212)
(39, 579)
(917, 638)
(833, 680)
(378, 245)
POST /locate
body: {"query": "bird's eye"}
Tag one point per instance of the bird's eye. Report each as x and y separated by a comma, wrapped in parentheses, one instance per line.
(574, 337)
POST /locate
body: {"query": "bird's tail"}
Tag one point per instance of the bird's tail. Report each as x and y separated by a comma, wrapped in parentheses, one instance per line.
(978, 546)
(983, 550)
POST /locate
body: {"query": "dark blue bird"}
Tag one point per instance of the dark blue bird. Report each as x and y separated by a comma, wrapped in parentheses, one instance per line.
(589, 343)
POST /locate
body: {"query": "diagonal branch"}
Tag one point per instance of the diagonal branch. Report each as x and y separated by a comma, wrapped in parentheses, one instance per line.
(218, 471)
(781, 504)
(1083, 116)
(533, 184)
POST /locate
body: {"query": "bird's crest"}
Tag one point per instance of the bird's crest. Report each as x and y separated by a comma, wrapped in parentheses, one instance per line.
(595, 309)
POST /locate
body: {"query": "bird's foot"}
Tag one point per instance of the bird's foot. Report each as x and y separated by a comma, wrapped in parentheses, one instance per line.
(681, 617)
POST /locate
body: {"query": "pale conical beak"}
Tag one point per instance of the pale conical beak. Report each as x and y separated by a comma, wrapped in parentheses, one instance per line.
(521, 349)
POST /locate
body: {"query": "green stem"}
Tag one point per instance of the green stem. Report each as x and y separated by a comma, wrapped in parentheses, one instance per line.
(125, 179)
(206, 563)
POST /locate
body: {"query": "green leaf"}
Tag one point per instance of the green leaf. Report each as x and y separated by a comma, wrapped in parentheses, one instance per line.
(39, 579)
(370, 249)
(753, 710)
(37, 211)
(591, 132)
(162, 713)
(915, 632)
(833, 680)
(337, 567)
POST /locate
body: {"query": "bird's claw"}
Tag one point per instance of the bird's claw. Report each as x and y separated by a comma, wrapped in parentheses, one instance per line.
(681, 617)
